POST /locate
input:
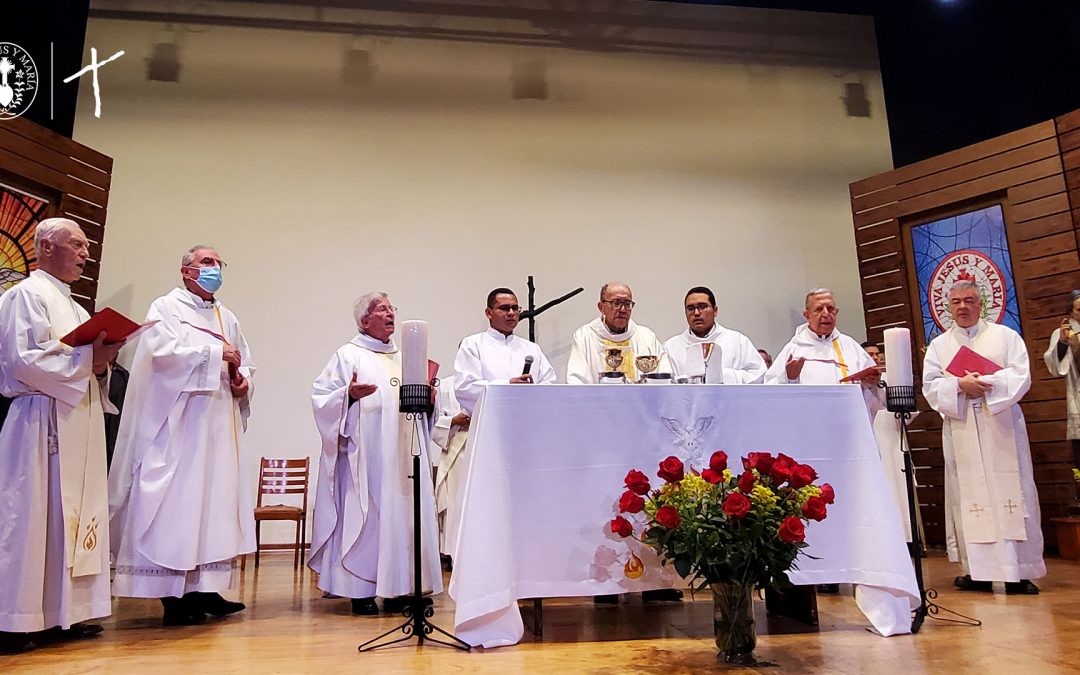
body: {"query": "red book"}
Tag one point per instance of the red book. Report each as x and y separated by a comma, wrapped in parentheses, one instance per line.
(863, 374)
(116, 326)
(969, 361)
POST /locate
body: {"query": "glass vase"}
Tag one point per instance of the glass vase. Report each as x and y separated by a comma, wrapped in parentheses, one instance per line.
(733, 621)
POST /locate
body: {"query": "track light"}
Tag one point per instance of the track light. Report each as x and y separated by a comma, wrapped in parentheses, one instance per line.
(529, 79)
(164, 63)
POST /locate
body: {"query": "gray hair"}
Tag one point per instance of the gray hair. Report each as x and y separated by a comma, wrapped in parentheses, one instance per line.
(189, 257)
(963, 285)
(47, 229)
(362, 306)
(816, 291)
(604, 288)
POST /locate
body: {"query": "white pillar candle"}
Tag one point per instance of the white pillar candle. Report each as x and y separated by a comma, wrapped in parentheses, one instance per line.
(898, 357)
(414, 352)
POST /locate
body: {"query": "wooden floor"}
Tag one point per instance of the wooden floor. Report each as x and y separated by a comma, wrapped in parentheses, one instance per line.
(290, 628)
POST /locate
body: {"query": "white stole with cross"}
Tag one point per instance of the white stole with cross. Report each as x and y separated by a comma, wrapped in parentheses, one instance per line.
(80, 437)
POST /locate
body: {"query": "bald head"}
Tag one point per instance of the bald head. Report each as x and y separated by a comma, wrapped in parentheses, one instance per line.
(616, 304)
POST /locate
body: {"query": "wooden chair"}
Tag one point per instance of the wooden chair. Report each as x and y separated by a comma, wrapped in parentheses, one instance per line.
(281, 477)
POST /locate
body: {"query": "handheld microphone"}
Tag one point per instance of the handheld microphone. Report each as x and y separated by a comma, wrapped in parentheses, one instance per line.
(528, 365)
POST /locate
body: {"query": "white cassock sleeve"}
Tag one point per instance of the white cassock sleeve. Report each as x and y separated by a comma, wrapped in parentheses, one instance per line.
(777, 373)
(543, 373)
(748, 366)
(1013, 380)
(577, 367)
(1057, 367)
(942, 390)
(37, 361)
(470, 381)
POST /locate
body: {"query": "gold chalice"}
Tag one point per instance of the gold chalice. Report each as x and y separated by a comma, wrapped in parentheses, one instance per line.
(613, 358)
(647, 364)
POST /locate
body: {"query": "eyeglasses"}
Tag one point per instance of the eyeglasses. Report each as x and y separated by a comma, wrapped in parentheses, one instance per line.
(508, 309)
(384, 309)
(827, 309)
(700, 307)
(209, 262)
(620, 304)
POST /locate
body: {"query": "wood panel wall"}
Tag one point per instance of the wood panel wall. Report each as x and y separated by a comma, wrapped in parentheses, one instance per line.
(1031, 173)
(74, 178)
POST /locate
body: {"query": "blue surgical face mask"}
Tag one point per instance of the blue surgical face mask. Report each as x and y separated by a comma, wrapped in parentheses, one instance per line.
(209, 279)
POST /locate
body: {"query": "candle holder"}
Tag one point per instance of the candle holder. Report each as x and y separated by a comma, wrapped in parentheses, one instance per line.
(416, 398)
(899, 399)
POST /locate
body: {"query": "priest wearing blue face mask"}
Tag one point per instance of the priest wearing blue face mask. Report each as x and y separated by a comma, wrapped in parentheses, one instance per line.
(178, 512)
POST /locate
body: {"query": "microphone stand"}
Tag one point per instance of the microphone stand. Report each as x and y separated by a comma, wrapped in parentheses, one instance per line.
(901, 402)
(533, 311)
(415, 401)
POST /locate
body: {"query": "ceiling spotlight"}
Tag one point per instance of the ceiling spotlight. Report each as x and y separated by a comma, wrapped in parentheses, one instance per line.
(358, 68)
(856, 104)
(164, 63)
(529, 79)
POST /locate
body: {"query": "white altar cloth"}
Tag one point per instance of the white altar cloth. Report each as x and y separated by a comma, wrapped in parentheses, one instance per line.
(546, 469)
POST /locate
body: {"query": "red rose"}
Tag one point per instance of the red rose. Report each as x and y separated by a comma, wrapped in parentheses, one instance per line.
(630, 503)
(718, 461)
(802, 475)
(792, 530)
(746, 482)
(781, 469)
(711, 476)
(737, 506)
(668, 517)
(637, 482)
(671, 470)
(762, 461)
(814, 509)
(827, 494)
(621, 526)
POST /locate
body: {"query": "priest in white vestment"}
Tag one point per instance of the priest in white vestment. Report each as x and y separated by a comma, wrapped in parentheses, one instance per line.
(181, 505)
(362, 531)
(54, 542)
(495, 356)
(818, 353)
(705, 348)
(1062, 358)
(447, 442)
(612, 342)
(992, 519)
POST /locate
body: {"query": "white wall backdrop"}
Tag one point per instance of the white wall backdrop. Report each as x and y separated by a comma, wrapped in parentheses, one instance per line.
(435, 185)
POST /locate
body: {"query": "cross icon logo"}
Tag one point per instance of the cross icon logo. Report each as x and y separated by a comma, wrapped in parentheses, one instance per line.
(977, 510)
(1011, 506)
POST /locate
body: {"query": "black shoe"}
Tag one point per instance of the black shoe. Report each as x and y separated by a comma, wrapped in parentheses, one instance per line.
(828, 589)
(365, 607)
(16, 643)
(966, 583)
(181, 612)
(1022, 587)
(213, 603)
(80, 631)
(397, 605)
(606, 600)
(662, 595)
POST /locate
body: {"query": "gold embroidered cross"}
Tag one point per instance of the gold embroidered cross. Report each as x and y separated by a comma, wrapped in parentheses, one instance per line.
(1010, 506)
(977, 510)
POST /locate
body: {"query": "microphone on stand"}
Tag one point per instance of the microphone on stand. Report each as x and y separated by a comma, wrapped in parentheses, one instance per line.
(528, 365)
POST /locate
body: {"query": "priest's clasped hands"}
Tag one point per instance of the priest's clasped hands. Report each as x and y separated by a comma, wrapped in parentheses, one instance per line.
(971, 385)
(238, 383)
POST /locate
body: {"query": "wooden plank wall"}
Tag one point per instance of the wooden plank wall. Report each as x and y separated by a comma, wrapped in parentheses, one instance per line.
(73, 177)
(1024, 171)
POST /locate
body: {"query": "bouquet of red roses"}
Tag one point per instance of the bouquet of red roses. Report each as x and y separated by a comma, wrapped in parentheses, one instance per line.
(719, 526)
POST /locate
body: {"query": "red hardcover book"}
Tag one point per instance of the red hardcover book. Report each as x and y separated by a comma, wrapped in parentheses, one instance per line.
(864, 374)
(969, 361)
(116, 326)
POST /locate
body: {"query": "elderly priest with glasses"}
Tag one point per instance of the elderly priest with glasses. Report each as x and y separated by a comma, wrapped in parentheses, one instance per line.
(612, 342)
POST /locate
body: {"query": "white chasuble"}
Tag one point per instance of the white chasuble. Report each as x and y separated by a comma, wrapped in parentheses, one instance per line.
(181, 505)
(54, 538)
(593, 342)
(362, 531)
(1069, 367)
(991, 506)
